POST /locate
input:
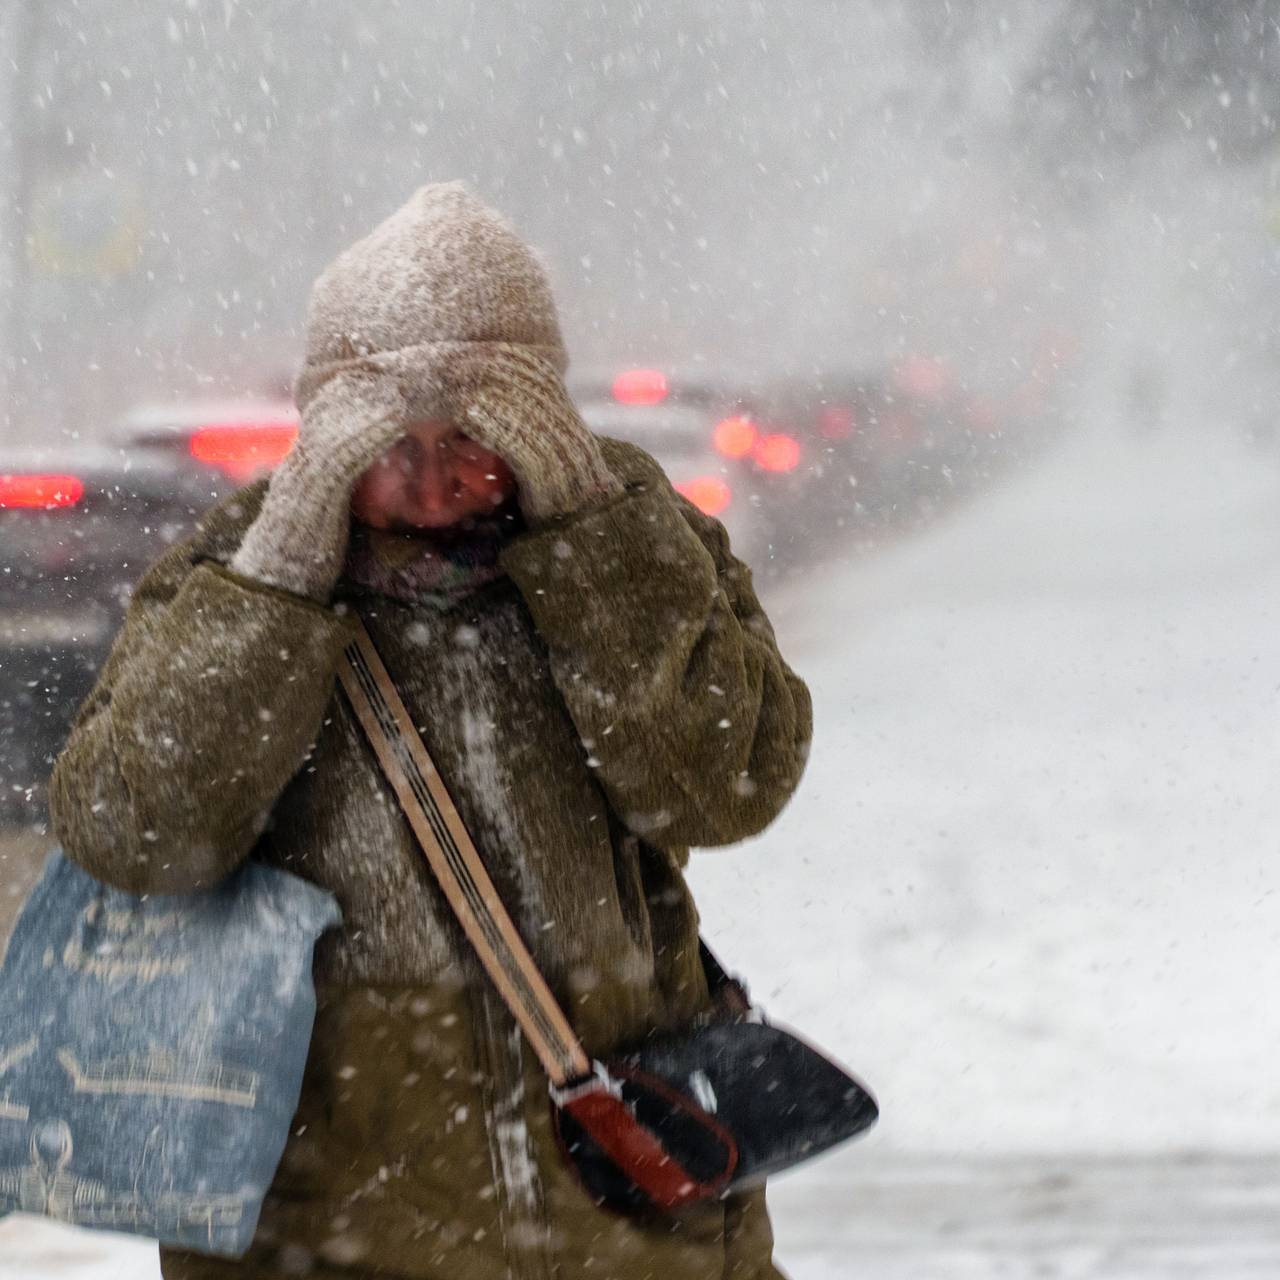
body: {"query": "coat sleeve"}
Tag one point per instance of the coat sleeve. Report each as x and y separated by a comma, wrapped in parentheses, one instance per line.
(208, 704)
(696, 727)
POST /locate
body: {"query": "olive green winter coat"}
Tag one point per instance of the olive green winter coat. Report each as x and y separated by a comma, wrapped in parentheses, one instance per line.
(617, 697)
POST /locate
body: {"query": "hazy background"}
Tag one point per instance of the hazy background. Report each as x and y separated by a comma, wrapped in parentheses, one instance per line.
(1008, 186)
(1027, 887)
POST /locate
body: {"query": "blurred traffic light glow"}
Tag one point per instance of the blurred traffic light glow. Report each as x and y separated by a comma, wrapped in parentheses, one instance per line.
(837, 422)
(777, 452)
(40, 492)
(924, 377)
(709, 494)
(243, 448)
(734, 437)
(640, 386)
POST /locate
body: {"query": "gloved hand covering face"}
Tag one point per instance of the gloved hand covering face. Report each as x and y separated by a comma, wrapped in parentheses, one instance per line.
(440, 313)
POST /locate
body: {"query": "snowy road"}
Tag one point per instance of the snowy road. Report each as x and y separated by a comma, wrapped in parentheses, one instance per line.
(1126, 1219)
(1029, 884)
(1027, 888)
(921, 1219)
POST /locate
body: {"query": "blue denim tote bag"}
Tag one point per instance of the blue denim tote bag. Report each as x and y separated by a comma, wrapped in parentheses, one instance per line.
(152, 1051)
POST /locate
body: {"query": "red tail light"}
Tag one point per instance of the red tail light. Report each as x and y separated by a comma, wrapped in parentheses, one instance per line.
(982, 413)
(242, 448)
(777, 452)
(40, 492)
(709, 494)
(735, 437)
(924, 377)
(837, 422)
(640, 386)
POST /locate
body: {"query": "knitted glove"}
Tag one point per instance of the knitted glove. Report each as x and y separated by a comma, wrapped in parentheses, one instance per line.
(299, 538)
(513, 402)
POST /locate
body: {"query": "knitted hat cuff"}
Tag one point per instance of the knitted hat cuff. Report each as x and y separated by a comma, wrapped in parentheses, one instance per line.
(416, 369)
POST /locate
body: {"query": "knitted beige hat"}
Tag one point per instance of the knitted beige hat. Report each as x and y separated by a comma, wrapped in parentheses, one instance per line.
(443, 270)
(441, 311)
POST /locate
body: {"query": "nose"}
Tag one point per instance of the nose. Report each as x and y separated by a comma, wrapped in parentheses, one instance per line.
(435, 482)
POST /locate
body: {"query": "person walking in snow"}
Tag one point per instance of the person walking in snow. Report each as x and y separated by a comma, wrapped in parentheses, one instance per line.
(591, 672)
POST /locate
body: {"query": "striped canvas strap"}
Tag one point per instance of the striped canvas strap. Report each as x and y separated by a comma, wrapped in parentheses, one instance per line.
(457, 866)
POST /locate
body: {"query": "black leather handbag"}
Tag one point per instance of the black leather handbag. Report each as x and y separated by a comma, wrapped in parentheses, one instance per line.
(672, 1122)
(722, 1106)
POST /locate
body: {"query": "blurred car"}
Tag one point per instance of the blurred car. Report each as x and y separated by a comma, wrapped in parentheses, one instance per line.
(886, 447)
(226, 441)
(706, 434)
(77, 528)
(703, 433)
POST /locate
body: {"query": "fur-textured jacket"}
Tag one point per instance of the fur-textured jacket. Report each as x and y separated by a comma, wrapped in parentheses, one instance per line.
(616, 697)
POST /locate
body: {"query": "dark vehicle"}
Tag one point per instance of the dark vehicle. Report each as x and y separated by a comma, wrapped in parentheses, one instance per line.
(711, 437)
(234, 440)
(77, 528)
(874, 451)
(884, 449)
(229, 442)
(887, 448)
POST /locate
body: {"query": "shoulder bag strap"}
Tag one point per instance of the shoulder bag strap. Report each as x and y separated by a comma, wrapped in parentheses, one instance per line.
(452, 856)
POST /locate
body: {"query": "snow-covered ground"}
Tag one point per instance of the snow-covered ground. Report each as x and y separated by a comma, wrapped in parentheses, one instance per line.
(1030, 885)
(1026, 887)
(919, 1219)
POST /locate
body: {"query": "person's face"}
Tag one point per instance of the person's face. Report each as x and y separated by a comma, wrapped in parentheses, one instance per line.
(431, 478)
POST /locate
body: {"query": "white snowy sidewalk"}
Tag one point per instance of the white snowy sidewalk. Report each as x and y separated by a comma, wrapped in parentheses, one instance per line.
(919, 1219)
(1030, 884)
(1121, 1218)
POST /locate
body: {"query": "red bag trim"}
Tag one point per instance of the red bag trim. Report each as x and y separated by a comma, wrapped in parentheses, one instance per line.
(638, 1153)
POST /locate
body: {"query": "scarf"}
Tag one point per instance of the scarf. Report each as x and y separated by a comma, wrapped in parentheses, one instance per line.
(430, 566)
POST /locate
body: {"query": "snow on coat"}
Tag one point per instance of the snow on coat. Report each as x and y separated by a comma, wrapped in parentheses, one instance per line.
(616, 698)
